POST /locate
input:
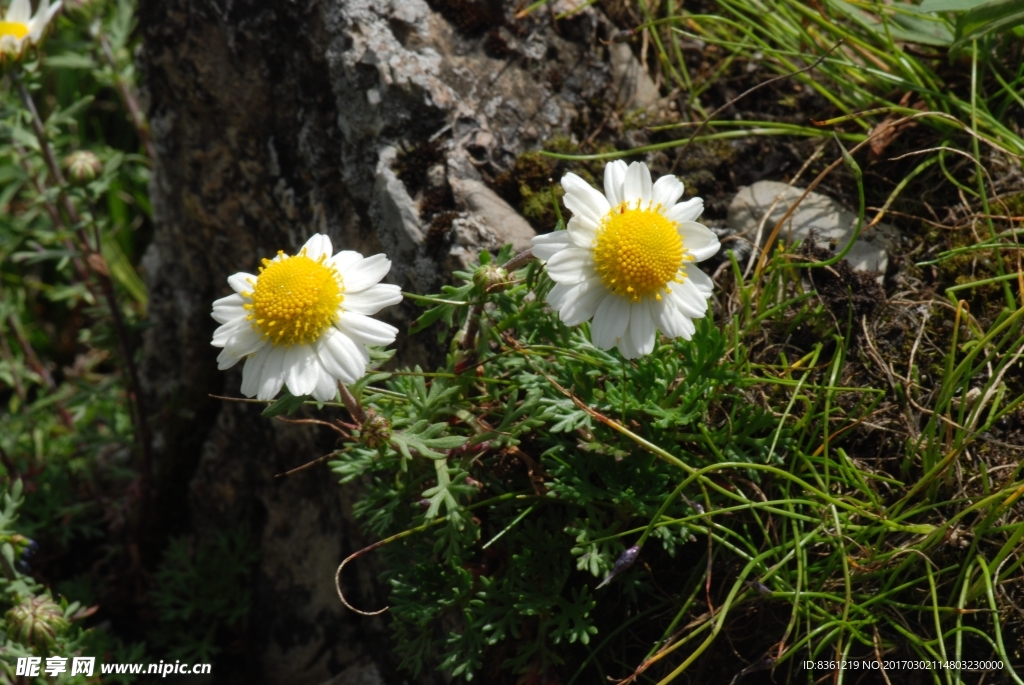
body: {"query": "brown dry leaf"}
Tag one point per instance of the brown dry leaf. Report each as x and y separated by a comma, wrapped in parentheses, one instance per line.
(886, 132)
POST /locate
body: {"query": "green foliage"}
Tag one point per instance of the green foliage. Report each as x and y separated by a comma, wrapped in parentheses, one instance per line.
(201, 593)
(74, 220)
(33, 624)
(988, 18)
(538, 496)
(68, 427)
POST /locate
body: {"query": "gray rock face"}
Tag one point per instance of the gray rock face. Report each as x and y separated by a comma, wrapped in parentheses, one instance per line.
(757, 208)
(277, 119)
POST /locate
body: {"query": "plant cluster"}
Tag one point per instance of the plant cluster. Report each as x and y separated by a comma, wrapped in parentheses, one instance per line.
(522, 464)
(74, 218)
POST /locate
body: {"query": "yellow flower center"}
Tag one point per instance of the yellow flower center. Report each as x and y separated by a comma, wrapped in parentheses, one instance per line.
(295, 299)
(638, 252)
(13, 28)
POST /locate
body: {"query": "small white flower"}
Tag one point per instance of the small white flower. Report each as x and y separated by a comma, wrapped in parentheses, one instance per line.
(305, 320)
(627, 259)
(19, 28)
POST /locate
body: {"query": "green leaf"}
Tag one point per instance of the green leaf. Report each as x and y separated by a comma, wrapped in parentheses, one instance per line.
(992, 17)
(123, 272)
(424, 438)
(428, 317)
(71, 60)
(286, 403)
(904, 26)
(949, 5)
(450, 482)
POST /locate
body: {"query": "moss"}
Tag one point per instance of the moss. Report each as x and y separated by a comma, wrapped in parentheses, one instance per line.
(1015, 203)
(533, 185)
(539, 207)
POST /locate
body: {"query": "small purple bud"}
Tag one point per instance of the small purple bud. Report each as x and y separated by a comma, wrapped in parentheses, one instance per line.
(425, 503)
(624, 561)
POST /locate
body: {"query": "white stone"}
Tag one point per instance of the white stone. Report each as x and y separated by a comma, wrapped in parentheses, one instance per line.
(818, 213)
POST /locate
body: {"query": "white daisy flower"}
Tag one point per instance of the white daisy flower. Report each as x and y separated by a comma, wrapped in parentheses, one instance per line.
(627, 259)
(304, 321)
(19, 28)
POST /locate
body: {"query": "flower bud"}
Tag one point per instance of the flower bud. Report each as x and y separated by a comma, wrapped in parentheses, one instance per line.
(490, 278)
(375, 431)
(36, 621)
(83, 166)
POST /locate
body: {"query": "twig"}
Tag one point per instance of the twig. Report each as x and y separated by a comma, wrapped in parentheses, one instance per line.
(308, 464)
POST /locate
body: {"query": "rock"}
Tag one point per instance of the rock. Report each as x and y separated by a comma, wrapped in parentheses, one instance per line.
(633, 85)
(276, 119)
(818, 215)
(505, 223)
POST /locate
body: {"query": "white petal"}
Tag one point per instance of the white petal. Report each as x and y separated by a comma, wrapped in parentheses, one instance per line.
(668, 317)
(9, 44)
(53, 11)
(641, 328)
(687, 299)
(20, 12)
(301, 370)
(583, 199)
(546, 246)
(227, 358)
(571, 265)
(242, 344)
(342, 358)
(366, 331)
(694, 297)
(252, 372)
(638, 184)
(366, 273)
(582, 231)
(372, 300)
(326, 386)
(557, 297)
(240, 282)
(345, 259)
(686, 211)
(700, 279)
(317, 246)
(688, 328)
(610, 321)
(227, 308)
(626, 347)
(272, 374)
(580, 302)
(614, 178)
(699, 240)
(224, 333)
(667, 191)
(38, 23)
